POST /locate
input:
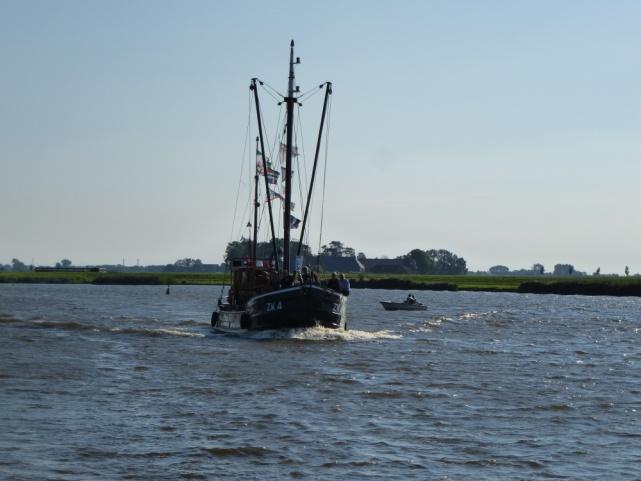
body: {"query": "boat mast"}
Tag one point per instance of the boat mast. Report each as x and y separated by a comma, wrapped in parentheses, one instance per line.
(264, 159)
(290, 101)
(256, 206)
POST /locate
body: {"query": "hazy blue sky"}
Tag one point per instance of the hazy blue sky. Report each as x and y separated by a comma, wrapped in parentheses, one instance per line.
(506, 131)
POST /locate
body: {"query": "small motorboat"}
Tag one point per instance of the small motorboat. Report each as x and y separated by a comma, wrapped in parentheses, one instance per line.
(403, 306)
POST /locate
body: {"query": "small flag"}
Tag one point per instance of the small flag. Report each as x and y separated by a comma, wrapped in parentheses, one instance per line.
(259, 163)
(293, 222)
(283, 150)
(275, 195)
(272, 177)
(282, 171)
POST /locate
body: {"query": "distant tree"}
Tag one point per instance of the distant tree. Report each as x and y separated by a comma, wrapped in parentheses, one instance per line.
(188, 263)
(433, 261)
(499, 270)
(264, 250)
(417, 261)
(185, 265)
(337, 249)
(237, 249)
(18, 266)
(446, 262)
(563, 270)
(598, 271)
(65, 263)
(539, 269)
(361, 256)
(627, 271)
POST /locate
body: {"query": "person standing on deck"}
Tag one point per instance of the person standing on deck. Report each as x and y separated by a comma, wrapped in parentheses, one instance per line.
(332, 282)
(343, 284)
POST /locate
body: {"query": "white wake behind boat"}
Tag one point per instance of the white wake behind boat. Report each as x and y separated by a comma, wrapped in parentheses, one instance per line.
(403, 306)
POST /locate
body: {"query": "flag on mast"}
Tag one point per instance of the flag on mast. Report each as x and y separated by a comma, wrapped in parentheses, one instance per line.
(272, 176)
(275, 195)
(283, 150)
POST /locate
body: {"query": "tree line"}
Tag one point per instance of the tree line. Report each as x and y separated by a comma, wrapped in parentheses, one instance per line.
(417, 261)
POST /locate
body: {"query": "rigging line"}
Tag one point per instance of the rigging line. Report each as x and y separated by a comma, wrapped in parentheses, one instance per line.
(322, 217)
(240, 178)
(273, 148)
(277, 99)
(300, 156)
(265, 137)
(265, 85)
(312, 91)
(302, 141)
(242, 168)
(261, 216)
(251, 169)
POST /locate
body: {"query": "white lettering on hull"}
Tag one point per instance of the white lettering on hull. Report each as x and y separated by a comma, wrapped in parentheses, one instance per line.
(274, 306)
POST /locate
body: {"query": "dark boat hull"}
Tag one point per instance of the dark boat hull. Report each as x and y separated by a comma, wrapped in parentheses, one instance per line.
(291, 308)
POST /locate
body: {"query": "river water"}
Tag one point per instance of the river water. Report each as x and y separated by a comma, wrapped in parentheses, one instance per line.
(119, 382)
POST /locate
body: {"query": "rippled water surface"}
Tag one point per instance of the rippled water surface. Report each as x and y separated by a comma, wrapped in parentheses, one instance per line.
(111, 382)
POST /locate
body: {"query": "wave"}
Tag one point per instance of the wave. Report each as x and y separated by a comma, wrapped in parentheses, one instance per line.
(383, 394)
(155, 332)
(8, 319)
(322, 334)
(67, 325)
(254, 451)
(144, 331)
(476, 315)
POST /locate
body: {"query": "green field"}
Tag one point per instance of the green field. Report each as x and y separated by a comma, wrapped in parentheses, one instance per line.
(172, 278)
(568, 285)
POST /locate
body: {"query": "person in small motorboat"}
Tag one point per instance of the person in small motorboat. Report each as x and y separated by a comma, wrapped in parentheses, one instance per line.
(410, 299)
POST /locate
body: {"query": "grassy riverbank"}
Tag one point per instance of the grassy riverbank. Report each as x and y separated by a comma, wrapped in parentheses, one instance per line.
(159, 278)
(589, 285)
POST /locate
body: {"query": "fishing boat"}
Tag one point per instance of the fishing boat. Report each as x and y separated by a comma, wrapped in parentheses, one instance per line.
(278, 292)
(403, 306)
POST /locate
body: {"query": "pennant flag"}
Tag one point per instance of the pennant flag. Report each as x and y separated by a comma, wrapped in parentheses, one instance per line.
(282, 171)
(275, 195)
(283, 150)
(259, 163)
(272, 177)
(293, 222)
(260, 169)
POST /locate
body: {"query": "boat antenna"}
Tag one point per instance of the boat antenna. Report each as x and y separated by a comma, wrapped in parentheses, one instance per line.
(264, 160)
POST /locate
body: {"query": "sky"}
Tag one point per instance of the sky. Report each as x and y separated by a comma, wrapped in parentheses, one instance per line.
(508, 132)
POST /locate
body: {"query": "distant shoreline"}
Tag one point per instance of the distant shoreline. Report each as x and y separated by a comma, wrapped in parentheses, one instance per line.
(571, 285)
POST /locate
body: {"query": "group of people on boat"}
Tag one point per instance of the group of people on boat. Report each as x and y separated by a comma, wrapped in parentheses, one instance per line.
(339, 283)
(336, 282)
(410, 299)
